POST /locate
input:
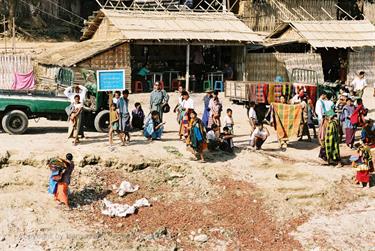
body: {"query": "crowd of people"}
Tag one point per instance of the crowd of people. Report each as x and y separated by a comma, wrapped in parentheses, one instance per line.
(340, 120)
(337, 122)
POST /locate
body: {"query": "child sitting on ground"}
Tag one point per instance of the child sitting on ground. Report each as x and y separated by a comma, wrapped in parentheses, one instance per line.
(363, 165)
(259, 136)
(226, 140)
(228, 121)
(212, 138)
(138, 116)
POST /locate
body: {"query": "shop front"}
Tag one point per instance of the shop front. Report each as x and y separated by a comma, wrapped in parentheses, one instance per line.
(195, 50)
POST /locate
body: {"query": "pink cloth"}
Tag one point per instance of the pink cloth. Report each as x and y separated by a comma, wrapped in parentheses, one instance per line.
(23, 81)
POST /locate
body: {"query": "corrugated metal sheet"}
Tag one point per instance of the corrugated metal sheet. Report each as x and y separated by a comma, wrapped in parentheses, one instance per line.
(71, 55)
(328, 34)
(226, 27)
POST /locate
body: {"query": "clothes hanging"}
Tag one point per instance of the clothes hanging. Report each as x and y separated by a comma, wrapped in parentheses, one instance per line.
(271, 93)
(24, 81)
(252, 92)
(277, 92)
(261, 93)
(287, 119)
(65, 76)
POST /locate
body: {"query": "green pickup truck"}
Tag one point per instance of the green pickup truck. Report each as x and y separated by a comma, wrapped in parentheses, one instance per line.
(17, 107)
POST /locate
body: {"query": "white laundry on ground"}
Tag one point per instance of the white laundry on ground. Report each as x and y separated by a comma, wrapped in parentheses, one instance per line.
(126, 187)
(123, 210)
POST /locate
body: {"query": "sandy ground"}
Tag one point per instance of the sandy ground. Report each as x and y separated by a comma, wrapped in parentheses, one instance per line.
(251, 200)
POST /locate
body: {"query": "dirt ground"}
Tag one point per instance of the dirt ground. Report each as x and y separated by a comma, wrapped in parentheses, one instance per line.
(250, 200)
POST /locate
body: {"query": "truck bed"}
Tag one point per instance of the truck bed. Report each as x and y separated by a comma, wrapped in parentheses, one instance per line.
(33, 93)
(33, 102)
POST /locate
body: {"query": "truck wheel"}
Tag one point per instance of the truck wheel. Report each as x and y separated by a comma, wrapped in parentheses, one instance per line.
(101, 121)
(15, 122)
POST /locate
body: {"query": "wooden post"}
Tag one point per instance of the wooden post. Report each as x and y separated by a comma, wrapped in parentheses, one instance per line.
(244, 63)
(187, 77)
(5, 37)
(13, 34)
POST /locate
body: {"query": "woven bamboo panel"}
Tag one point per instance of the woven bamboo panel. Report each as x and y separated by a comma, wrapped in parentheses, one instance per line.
(10, 64)
(363, 60)
(116, 58)
(267, 66)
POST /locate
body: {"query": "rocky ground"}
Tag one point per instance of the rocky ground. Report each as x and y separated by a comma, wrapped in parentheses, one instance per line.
(250, 200)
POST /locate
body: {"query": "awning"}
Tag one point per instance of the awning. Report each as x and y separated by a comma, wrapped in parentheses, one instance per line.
(172, 26)
(71, 55)
(325, 34)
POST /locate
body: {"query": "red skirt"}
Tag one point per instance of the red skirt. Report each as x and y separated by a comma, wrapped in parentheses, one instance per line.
(61, 194)
(363, 176)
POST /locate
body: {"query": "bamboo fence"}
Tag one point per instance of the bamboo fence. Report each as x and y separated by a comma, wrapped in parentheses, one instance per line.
(363, 60)
(267, 66)
(9, 65)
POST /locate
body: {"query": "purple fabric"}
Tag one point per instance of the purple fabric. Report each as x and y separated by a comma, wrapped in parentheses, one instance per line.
(23, 81)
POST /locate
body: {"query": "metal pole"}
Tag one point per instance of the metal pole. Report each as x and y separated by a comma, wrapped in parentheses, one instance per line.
(187, 67)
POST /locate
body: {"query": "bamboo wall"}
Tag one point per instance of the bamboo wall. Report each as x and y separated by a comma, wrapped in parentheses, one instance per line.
(363, 60)
(45, 78)
(265, 16)
(115, 58)
(9, 64)
(267, 66)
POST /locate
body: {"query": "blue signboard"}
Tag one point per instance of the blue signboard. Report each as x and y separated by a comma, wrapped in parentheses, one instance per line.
(111, 80)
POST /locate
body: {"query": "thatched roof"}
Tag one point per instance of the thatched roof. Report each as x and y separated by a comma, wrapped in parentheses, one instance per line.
(325, 34)
(71, 55)
(172, 26)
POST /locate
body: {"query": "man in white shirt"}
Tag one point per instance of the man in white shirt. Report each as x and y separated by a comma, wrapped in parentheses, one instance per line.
(359, 84)
(78, 90)
(298, 97)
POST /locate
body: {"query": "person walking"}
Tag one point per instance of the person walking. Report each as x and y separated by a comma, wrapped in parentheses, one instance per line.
(332, 140)
(75, 120)
(60, 178)
(197, 135)
(158, 99)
